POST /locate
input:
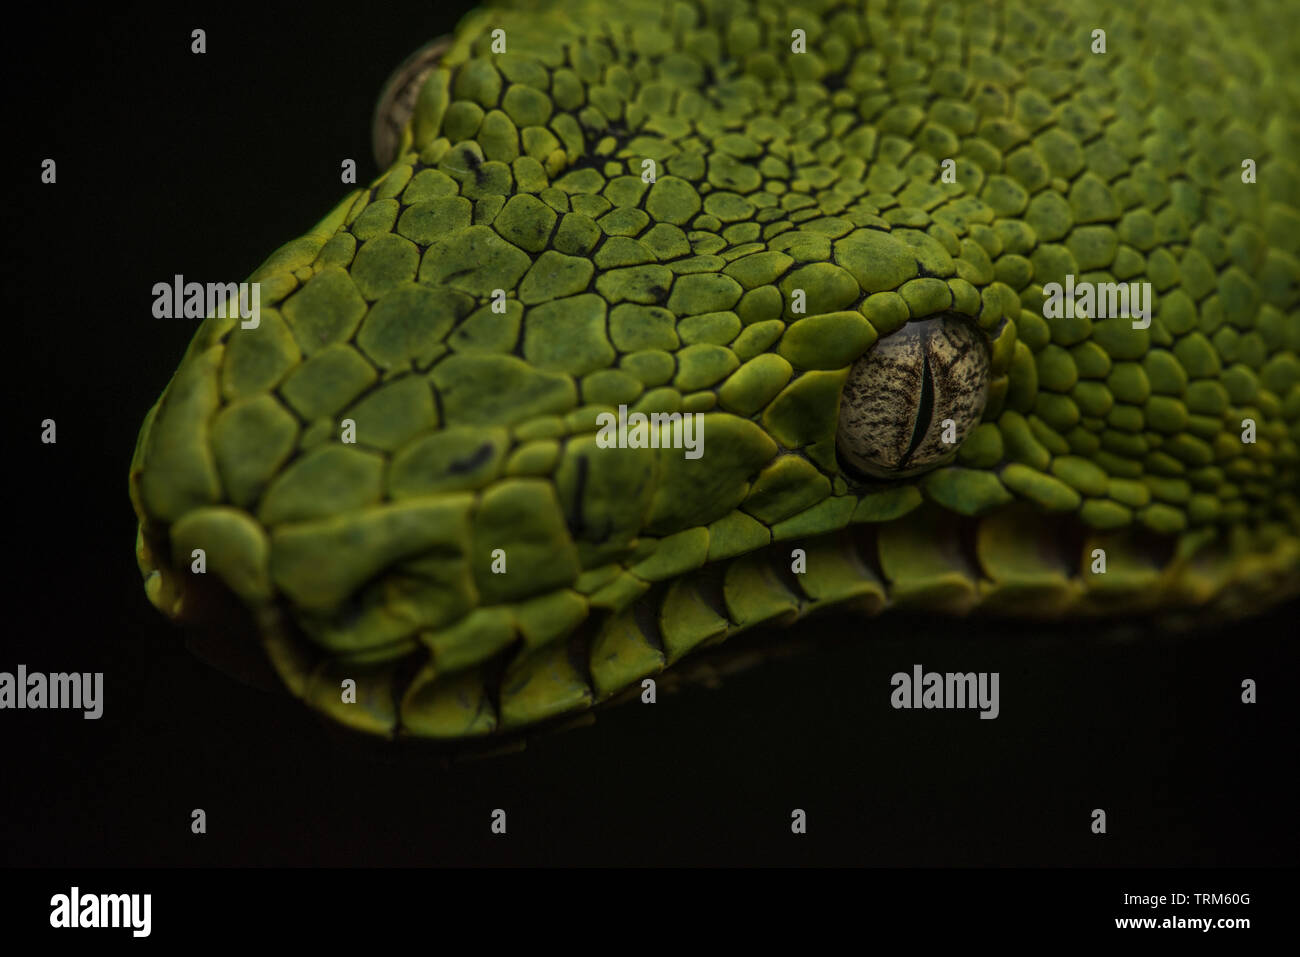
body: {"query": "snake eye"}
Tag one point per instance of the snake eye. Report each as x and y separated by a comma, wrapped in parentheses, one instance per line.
(397, 101)
(910, 400)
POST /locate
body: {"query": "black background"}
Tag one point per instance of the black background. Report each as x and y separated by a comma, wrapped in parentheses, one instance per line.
(202, 165)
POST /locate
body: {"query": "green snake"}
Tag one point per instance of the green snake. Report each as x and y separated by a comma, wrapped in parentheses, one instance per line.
(827, 233)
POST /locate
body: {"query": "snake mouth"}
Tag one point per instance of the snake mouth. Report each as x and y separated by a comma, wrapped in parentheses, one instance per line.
(219, 629)
(397, 101)
(1014, 563)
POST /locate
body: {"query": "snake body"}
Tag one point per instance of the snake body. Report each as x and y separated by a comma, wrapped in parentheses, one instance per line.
(753, 212)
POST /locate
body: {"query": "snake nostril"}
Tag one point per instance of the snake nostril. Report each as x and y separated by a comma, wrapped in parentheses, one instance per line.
(912, 398)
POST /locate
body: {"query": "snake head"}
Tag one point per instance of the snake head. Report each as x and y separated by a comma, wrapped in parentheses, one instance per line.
(455, 464)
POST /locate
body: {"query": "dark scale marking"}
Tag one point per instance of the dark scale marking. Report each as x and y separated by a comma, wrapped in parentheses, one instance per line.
(476, 166)
(578, 525)
(471, 462)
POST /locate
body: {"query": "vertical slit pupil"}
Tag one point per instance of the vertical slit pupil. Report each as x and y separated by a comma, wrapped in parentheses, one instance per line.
(925, 409)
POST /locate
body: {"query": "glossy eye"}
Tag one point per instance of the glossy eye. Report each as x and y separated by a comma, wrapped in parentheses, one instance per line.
(911, 399)
(398, 99)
